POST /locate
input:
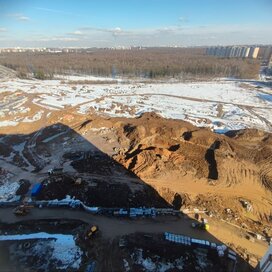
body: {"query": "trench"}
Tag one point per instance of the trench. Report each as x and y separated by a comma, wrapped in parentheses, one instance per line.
(210, 158)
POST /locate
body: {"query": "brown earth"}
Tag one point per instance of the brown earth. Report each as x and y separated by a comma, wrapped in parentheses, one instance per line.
(215, 171)
(187, 166)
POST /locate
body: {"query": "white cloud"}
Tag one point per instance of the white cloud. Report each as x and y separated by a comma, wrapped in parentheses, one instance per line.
(58, 38)
(76, 33)
(19, 17)
(54, 11)
(114, 31)
(163, 36)
(2, 29)
(183, 19)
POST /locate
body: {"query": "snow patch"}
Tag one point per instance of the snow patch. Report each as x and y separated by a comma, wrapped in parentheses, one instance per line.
(8, 123)
(64, 250)
(8, 190)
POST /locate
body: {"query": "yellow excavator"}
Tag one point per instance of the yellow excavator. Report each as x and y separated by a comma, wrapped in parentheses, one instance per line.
(22, 209)
(92, 231)
(202, 225)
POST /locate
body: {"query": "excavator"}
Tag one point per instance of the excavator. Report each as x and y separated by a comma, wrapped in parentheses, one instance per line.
(22, 209)
(92, 231)
(202, 225)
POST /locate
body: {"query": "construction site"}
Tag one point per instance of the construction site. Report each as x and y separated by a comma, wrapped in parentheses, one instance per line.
(88, 183)
(134, 194)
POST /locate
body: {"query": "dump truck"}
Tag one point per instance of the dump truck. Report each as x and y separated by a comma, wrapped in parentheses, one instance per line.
(22, 209)
(92, 231)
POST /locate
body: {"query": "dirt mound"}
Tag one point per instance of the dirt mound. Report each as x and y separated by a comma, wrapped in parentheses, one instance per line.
(191, 161)
(158, 145)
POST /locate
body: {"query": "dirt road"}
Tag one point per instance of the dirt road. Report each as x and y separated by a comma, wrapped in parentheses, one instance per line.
(113, 227)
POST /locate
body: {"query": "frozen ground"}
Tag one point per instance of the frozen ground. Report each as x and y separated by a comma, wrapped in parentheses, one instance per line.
(8, 190)
(155, 264)
(51, 248)
(221, 105)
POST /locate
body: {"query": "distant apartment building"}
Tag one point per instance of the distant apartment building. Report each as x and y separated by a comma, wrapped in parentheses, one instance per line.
(253, 52)
(233, 51)
(265, 54)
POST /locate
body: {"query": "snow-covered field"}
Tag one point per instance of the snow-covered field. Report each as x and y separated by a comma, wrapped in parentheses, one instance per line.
(220, 105)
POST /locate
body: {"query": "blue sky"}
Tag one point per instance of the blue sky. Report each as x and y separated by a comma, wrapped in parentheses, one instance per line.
(105, 23)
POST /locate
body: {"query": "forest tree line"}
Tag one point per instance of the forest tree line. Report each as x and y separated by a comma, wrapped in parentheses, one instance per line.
(150, 63)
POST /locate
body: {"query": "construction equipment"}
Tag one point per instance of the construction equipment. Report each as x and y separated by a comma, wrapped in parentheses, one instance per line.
(22, 209)
(55, 171)
(92, 231)
(203, 225)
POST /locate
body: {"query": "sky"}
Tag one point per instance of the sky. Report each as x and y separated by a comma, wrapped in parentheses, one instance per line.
(112, 23)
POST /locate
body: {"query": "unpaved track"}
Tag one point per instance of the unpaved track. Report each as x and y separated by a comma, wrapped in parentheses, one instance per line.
(111, 227)
(179, 97)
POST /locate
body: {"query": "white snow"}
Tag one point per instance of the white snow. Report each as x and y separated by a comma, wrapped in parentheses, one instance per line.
(64, 248)
(34, 118)
(206, 104)
(8, 190)
(8, 123)
(155, 265)
(84, 77)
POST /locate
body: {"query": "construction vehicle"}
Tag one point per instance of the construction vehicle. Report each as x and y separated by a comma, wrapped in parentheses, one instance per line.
(22, 209)
(203, 225)
(55, 171)
(92, 231)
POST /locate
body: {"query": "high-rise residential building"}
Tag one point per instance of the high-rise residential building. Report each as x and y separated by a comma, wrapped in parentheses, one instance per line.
(235, 51)
(247, 52)
(253, 52)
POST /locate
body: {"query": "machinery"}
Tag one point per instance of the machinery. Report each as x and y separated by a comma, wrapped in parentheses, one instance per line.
(22, 209)
(92, 231)
(203, 225)
(55, 171)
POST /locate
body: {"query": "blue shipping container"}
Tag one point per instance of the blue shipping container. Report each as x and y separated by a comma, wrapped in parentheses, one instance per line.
(36, 189)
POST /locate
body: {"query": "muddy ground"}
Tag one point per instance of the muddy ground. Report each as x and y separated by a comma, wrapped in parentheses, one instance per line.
(133, 252)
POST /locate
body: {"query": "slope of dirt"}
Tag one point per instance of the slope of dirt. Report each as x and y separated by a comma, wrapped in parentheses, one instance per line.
(197, 164)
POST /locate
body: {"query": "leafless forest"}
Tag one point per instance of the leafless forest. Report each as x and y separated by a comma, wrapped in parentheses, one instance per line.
(146, 63)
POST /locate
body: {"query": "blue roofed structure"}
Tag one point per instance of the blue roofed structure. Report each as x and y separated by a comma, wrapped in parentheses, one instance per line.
(36, 189)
